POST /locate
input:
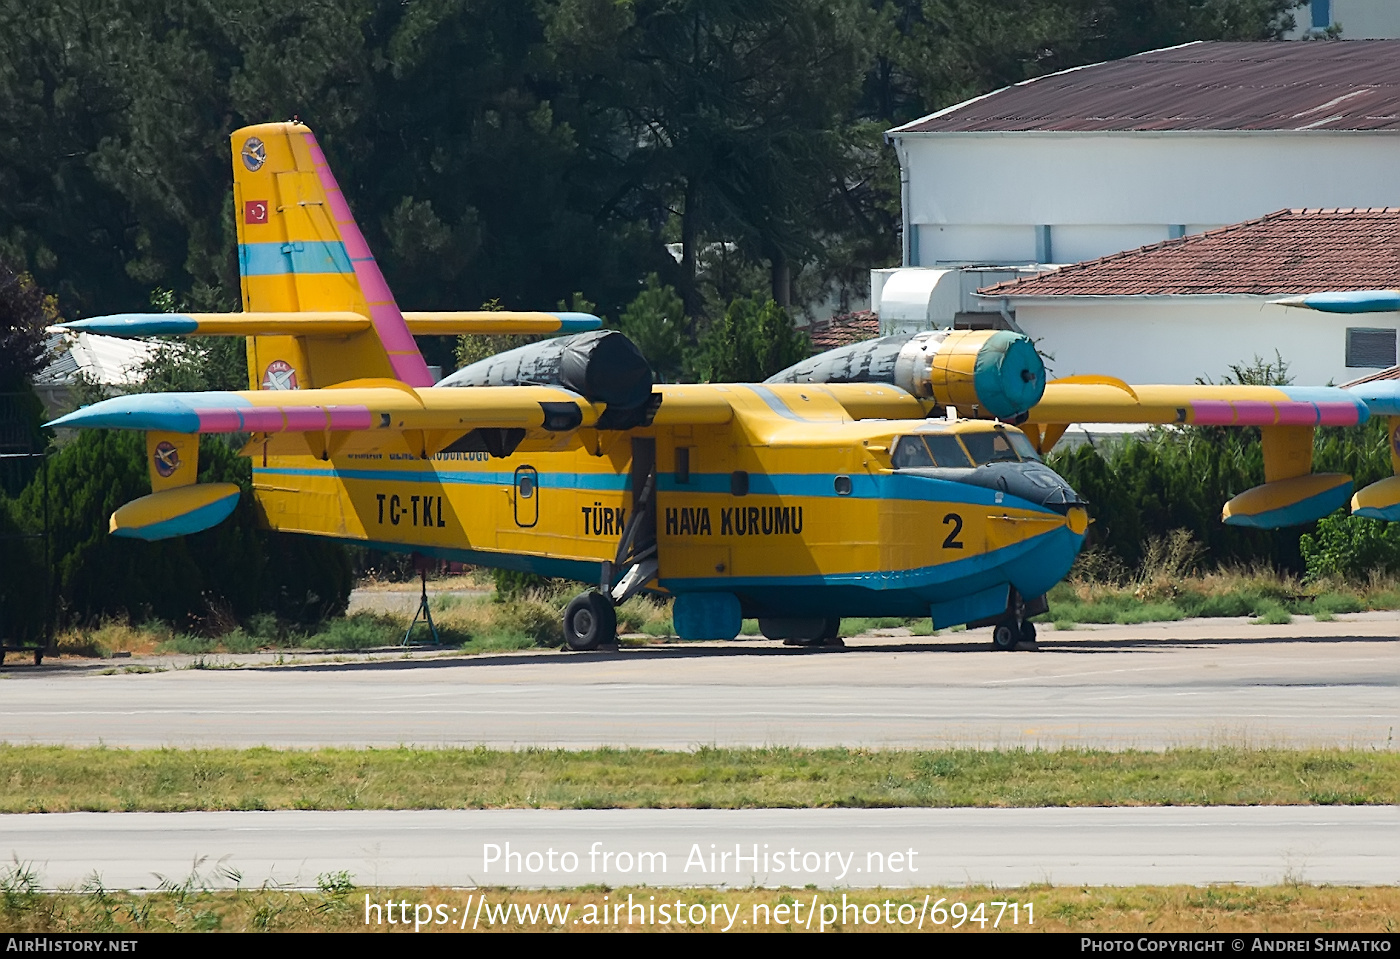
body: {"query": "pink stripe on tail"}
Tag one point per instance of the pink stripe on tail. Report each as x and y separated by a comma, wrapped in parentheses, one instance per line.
(388, 321)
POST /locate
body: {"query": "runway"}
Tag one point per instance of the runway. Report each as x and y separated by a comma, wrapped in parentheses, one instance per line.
(830, 848)
(1204, 682)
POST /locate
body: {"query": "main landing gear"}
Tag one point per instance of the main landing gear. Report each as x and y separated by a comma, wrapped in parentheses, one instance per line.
(817, 631)
(590, 621)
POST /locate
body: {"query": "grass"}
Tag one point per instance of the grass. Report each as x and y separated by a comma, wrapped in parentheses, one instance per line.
(64, 779)
(1265, 596)
(1099, 590)
(337, 905)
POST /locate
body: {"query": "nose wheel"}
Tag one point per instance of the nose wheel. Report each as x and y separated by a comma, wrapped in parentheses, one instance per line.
(1016, 627)
(590, 621)
(1009, 633)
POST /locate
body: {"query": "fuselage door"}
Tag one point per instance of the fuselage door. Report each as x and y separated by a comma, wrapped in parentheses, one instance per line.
(527, 496)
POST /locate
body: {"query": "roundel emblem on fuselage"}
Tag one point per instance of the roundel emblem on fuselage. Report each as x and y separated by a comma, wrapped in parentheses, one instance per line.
(279, 375)
(254, 154)
(166, 459)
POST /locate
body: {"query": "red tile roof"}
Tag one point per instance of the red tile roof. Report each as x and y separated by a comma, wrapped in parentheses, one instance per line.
(1279, 85)
(1391, 374)
(1288, 252)
(843, 329)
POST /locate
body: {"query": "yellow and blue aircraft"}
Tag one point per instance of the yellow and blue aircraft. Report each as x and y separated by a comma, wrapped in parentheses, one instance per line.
(902, 476)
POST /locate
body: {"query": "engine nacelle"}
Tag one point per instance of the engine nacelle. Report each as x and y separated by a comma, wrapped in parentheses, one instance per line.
(997, 372)
(602, 366)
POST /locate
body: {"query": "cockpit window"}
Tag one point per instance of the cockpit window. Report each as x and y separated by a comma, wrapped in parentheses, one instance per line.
(947, 451)
(1023, 446)
(990, 447)
(910, 453)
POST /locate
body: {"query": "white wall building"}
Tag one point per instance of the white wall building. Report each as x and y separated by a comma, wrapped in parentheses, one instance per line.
(1113, 156)
(1356, 19)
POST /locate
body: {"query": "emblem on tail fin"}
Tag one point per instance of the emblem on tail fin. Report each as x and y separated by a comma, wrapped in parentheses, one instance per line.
(166, 459)
(254, 154)
(279, 375)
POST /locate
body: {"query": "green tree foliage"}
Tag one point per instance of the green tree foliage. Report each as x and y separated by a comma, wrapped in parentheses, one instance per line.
(234, 568)
(655, 321)
(25, 311)
(585, 135)
(752, 341)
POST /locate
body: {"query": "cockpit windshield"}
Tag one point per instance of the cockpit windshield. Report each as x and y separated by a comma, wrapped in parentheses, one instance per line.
(1023, 446)
(992, 446)
(932, 449)
(947, 449)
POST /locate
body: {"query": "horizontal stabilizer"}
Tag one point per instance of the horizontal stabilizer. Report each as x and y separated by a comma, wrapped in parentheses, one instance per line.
(176, 512)
(498, 322)
(1380, 500)
(1289, 502)
(221, 324)
(328, 323)
(1348, 301)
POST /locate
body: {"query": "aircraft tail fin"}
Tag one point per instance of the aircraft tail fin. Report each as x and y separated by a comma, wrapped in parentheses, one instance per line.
(300, 251)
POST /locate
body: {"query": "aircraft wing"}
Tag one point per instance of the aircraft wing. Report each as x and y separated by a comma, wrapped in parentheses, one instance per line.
(1103, 399)
(361, 405)
(1287, 415)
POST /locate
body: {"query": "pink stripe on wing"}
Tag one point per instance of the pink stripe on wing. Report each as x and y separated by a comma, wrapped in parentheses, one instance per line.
(349, 417)
(308, 418)
(1212, 413)
(265, 419)
(1338, 414)
(1255, 413)
(218, 421)
(1296, 413)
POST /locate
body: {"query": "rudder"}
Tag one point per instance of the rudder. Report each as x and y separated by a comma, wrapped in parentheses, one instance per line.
(300, 250)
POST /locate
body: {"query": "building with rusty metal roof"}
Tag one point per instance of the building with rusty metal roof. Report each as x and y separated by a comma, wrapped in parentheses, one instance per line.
(1194, 307)
(1114, 156)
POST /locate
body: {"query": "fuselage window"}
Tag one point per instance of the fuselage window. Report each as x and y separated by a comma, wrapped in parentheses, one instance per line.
(947, 451)
(910, 453)
(991, 447)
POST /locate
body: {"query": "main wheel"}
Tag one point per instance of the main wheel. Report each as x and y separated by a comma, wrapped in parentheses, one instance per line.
(590, 622)
(1005, 634)
(1027, 632)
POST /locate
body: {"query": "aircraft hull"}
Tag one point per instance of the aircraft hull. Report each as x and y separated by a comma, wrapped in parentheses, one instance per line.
(883, 543)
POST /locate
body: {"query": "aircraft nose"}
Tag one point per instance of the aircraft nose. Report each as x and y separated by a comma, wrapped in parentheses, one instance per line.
(1041, 485)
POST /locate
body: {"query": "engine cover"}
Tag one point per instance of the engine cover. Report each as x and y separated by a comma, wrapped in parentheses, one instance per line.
(994, 371)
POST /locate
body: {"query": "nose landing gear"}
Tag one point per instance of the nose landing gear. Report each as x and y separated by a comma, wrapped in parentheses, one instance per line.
(1015, 627)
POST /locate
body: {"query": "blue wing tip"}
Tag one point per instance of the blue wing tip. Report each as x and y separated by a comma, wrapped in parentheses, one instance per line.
(578, 322)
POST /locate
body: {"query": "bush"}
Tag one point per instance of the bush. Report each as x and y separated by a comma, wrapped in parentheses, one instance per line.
(233, 569)
(1350, 547)
(1179, 478)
